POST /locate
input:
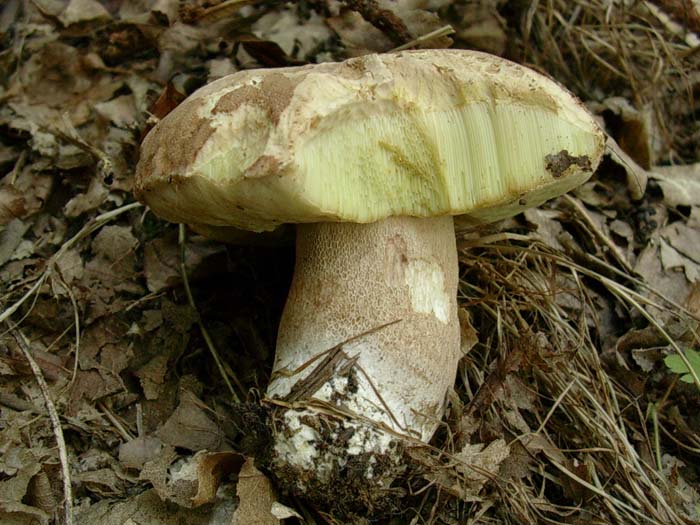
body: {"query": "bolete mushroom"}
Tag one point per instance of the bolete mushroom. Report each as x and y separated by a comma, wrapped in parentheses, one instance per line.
(371, 158)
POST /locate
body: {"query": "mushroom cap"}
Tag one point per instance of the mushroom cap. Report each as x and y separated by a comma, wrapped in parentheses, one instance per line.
(417, 133)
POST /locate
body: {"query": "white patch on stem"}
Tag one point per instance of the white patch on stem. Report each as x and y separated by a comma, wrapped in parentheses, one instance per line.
(426, 284)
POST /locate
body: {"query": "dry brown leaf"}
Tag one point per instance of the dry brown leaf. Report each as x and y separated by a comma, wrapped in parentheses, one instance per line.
(156, 471)
(80, 11)
(11, 205)
(481, 27)
(104, 354)
(673, 285)
(637, 176)
(467, 471)
(256, 498)
(680, 184)
(548, 228)
(190, 427)
(670, 258)
(148, 508)
(218, 68)
(536, 443)
(162, 260)
(120, 111)
(102, 482)
(297, 38)
(10, 238)
(135, 453)
(694, 219)
(469, 336)
(70, 266)
(211, 468)
(114, 243)
(479, 464)
(152, 376)
(419, 19)
(95, 195)
(634, 129)
(684, 241)
(24, 195)
(190, 481)
(113, 268)
(14, 490)
(359, 37)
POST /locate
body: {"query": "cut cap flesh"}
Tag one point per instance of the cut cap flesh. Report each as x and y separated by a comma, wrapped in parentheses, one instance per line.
(416, 133)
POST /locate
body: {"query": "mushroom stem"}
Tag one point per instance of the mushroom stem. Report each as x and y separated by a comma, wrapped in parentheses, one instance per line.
(370, 329)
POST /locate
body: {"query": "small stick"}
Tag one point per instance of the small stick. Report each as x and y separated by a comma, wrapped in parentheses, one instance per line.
(55, 423)
(202, 328)
(609, 244)
(440, 32)
(383, 19)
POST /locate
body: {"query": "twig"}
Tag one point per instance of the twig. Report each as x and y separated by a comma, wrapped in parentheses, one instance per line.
(383, 19)
(225, 9)
(440, 32)
(55, 423)
(207, 338)
(76, 322)
(609, 244)
(86, 230)
(126, 435)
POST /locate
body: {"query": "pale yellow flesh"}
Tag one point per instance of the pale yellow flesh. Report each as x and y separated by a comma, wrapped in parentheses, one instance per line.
(421, 133)
(451, 162)
(484, 160)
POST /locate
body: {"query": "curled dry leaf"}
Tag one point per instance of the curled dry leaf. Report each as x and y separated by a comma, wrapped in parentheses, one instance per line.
(211, 468)
(637, 176)
(14, 490)
(633, 129)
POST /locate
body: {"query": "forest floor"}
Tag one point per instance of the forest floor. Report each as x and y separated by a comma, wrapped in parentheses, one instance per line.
(124, 399)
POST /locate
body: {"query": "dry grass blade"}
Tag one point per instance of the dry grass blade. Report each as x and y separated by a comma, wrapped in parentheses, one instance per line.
(630, 49)
(589, 432)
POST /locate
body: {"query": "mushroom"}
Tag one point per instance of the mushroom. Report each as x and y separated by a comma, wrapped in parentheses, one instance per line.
(371, 158)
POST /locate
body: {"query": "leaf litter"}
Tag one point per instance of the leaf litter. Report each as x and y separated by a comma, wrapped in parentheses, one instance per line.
(125, 344)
